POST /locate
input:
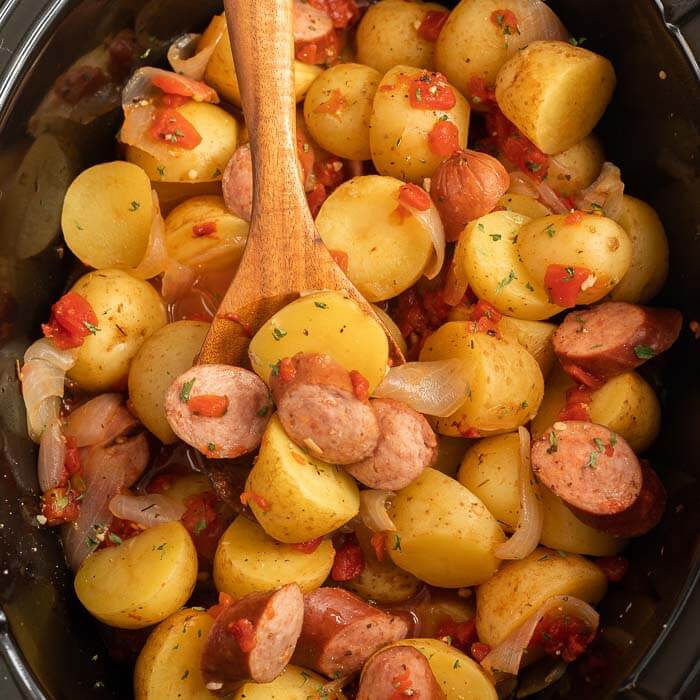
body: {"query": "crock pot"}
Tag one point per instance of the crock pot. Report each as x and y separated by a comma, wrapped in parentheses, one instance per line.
(652, 130)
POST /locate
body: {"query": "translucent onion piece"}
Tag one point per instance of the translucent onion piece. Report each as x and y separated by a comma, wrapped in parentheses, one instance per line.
(149, 510)
(87, 425)
(539, 23)
(52, 456)
(433, 225)
(508, 655)
(522, 184)
(550, 198)
(435, 388)
(177, 280)
(44, 349)
(140, 88)
(373, 511)
(186, 60)
(606, 193)
(155, 258)
(529, 529)
(128, 457)
(456, 284)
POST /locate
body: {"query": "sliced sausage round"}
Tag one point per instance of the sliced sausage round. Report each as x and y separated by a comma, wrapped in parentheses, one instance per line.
(253, 639)
(407, 445)
(310, 24)
(237, 183)
(320, 411)
(593, 470)
(341, 631)
(240, 408)
(615, 337)
(391, 672)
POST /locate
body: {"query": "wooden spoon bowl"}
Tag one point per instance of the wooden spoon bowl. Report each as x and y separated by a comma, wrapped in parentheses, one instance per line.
(284, 254)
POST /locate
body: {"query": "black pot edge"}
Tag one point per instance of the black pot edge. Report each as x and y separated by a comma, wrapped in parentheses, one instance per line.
(650, 680)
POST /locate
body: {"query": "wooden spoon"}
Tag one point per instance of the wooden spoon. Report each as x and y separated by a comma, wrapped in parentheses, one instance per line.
(284, 254)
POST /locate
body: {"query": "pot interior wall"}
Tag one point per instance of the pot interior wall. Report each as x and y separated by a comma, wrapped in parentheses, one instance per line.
(651, 131)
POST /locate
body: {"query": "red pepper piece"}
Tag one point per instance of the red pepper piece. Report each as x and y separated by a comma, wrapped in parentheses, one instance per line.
(378, 542)
(411, 195)
(204, 229)
(208, 405)
(341, 259)
(562, 635)
(72, 320)
(360, 386)
(563, 283)
(349, 562)
(432, 25)
(575, 217)
(479, 651)
(287, 369)
(431, 91)
(341, 12)
(172, 128)
(443, 139)
(308, 547)
(259, 501)
(60, 505)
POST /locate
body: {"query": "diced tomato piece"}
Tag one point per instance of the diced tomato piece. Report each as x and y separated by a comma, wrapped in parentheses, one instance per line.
(563, 283)
(324, 51)
(431, 91)
(349, 561)
(71, 460)
(244, 633)
(204, 229)
(287, 369)
(482, 92)
(402, 682)
(562, 635)
(334, 105)
(60, 505)
(458, 634)
(378, 542)
(172, 128)
(488, 326)
(306, 155)
(205, 523)
(341, 12)
(506, 20)
(432, 25)
(479, 651)
(175, 84)
(575, 217)
(224, 601)
(578, 400)
(411, 195)
(79, 82)
(360, 385)
(443, 139)
(330, 173)
(316, 198)
(341, 259)
(308, 547)
(483, 309)
(208, 405)
(614, 568)
(72, 320)
(259, 501)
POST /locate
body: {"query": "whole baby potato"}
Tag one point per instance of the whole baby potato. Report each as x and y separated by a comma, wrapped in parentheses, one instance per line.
(649, 268)
(302, 497)
(387, 35)
(323, 322)
(221, 73)
(201, 232)
(248, 560)
(400, 131)
(128, 311)
(555, 93)
(505, 381)
(203, 163)
(107, 214)
(161, 359)
(386, 253)
(142, 581)
(444, 534)
(519, 588)
(169, 664)
(337, 109)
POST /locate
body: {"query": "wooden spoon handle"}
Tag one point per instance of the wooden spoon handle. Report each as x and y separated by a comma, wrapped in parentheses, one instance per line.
(263, 51)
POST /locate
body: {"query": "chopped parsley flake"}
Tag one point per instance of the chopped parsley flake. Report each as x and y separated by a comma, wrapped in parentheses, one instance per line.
(613, 439)
(211, 446)
(275, 369)
(397, 543)
(529, 287)
(577, 42)
(592, 460)
(278, 333)
(145, 54)
(216, 173)
(186, 389)
(79, 227)
(320, 305)
(643, 352)
(93, 329)
(553, 443)
(184, 675)
(495, 236)
(456, 664)
(200, 525)
(505, 281)
(262, 411)
(161, 170)
(481, 227)
(599, 444)
(135, 206)
(114, 539)
(550, 230)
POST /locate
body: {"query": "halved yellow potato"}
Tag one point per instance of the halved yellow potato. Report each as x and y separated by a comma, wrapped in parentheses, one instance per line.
(523, 205)
(248, 560)
(304, 498)
(295, 683)
(577, 167)
(142, 581)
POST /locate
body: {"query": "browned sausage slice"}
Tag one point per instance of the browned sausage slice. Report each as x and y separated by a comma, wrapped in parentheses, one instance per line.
(320, 411)
(593, 470)
(341, 631)
(235, 423)
(237, 183)
(407, 445)
(615, 337)
(253, 639)
(398, 671)
(310, 24)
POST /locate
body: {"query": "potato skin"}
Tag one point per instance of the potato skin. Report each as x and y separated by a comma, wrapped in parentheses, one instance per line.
(505, 601)
(649, 267)
(100, 222)
(505, 381)
(399, 133)
(221, 73)
(387, 35)
(445, 535)
(247, 561)
(161, 359)
(385, 255)
(203, 163)
(577, 167)
(295, 683)
(142, 581)
(323, 322)
(345, 130)
(128, 311)
(459, 675)
(555, 93)
(307, 498)
(169, 664)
